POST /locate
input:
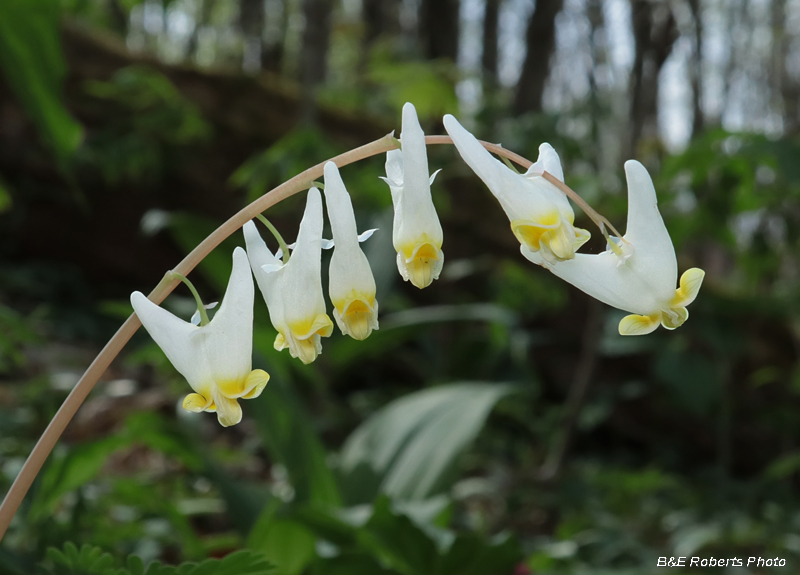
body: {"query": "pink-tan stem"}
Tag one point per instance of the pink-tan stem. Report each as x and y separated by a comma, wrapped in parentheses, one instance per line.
(80, 392)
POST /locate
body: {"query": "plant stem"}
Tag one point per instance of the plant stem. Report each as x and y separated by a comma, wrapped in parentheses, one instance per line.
(201, 309)
(281, 242)
(80, 392)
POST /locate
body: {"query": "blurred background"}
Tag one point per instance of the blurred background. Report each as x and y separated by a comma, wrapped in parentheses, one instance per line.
(496, 423)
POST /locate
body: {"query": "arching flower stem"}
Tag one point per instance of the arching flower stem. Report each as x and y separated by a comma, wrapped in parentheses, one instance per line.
(281, 242)
(171, 279)
(201, 309)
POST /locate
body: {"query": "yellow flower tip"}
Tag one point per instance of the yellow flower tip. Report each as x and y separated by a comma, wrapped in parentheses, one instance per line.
(690, 283)
(280, 342)
(639, 324)
(303, 339)
(196, 403)
(423, 265)
(555, 237)
(307, 350)
(255, 383)
(229, 412)
(358, 318)
(674, 317)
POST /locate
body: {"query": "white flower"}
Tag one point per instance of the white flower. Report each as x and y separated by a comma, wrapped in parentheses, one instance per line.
(640, 277)
(214, 358)
(352, 287)
(416, 234)
(540, 214)
(293, 291)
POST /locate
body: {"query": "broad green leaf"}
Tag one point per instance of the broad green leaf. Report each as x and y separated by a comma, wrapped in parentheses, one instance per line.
(407, 448)
(33, 66)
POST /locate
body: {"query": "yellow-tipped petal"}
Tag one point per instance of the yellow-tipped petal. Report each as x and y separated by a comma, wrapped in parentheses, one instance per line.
(674, 317)
(560, 241)
(255, 383)
(320, 324)
(639, 324)
(280, 342)
(554, 236)
(307, 350)
(690, 283)
(581, 237)
(243, 387)
(530, 232)
(229, 412)
(196, 403)
(422, 268)
(420, 262)
(358, 317)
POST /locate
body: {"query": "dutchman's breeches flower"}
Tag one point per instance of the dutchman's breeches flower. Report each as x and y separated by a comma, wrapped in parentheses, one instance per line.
(638, 274)
(214, 358)
(416, 234)
(293, 291)
(540, 214)
(352, 287)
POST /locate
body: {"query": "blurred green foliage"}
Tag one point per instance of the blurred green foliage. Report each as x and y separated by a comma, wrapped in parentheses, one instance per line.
(33, 65)
(418, 451)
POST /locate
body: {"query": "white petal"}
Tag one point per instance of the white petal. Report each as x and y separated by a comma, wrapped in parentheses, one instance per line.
(394, 168)
(364, 236)
(548, 161)
(654, 253)
(621, 287)
(522, 198)
(340, 208)
(349, 268)
(257, 251)
(266, 269)
(228, 338)
(175, 337)
(196, 315)
(301, 281)
(414, 213)
(416, 177)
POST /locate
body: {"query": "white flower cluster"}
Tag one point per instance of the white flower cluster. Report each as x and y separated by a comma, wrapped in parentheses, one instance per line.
(637, 273)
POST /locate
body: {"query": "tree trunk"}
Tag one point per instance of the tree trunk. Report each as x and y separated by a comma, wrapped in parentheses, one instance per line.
(540, 40)
(491, 19)
(439, 26)
(251, 23)
(314, 54)
(785, 88)
(654, 32)
(598, 56)
(696, 70)
(381, 17)
(276, 23)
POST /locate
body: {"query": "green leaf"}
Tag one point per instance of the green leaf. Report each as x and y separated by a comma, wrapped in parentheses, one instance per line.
(470, 555)
(31, 58)
(287, 544)
(86, 561)
(292, 441)
(408, 448)
(400, 543)
(72, 471)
